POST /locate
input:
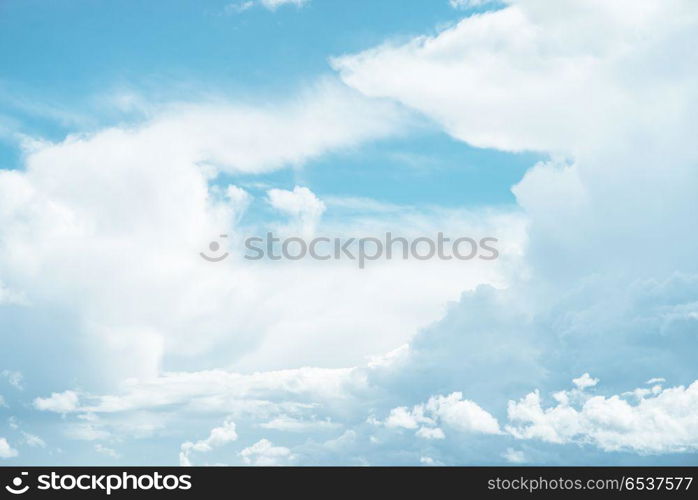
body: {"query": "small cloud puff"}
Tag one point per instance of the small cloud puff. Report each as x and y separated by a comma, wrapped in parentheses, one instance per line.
(106, 451)
(585, 381)
(7, 451)
(301, 203)
(514, 456)
(14, 378)
(219, 436)
(452, 411)
(263, 452)
(58, 402)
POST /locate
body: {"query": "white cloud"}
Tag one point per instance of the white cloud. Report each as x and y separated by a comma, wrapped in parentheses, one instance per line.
(213, 390)
(239, 199)
(264, 453)
(587, 83)
(379, 289)
(403, 417)
(585, 79)
(58, 402)
(7, 451)
(86, 432)
(462, 414)
(452, 411)
(270, 5)
(468, 4)
(106, 451)
(239, 7)
(219, 436)
(301, 203)
(14, 378)
(275, 4)
(514, 456)
(663, 423)
(656, 380)
(11, 297)
(65, 242)
(585, 381)
(430, 433)
(535, 75)
(33, 440)
(290, 424)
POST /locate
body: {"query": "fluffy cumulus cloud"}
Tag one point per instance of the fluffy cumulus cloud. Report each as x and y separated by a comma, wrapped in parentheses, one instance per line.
(531, 76)
(616, 120)
(585, 381)
(7, 451)
(451, 411)
(58, 402)
(264, 453)
(218, 437)
(663, 422)
(462, 414)
(586, 82)
(301, 203)
(321, 418)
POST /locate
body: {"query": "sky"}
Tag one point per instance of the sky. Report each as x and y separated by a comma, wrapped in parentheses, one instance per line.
(132, 134)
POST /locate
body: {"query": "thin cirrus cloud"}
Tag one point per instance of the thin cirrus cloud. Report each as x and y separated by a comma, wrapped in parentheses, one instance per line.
(469, 4)
(275, 4)
(270, 5)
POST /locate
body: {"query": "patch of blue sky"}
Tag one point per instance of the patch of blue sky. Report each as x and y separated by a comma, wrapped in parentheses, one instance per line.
(80, 54)
(416, 171)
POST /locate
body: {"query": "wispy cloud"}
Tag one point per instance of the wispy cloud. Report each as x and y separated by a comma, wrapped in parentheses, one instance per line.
(271, 5)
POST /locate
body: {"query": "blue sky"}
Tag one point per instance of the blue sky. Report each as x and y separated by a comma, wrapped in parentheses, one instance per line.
(56, 81)
(134, 133)
(83, 47)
